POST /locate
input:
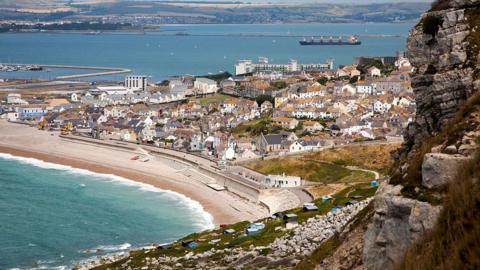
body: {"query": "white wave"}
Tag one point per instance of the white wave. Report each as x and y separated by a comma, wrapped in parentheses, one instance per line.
(108, 248)
(206, 218)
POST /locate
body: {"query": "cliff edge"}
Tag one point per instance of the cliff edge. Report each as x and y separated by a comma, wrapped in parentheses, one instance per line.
(439, 155)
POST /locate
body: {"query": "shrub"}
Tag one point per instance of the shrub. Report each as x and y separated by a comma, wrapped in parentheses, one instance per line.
(431, 24)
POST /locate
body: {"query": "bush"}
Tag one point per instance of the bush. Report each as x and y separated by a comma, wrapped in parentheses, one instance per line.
(431, 24)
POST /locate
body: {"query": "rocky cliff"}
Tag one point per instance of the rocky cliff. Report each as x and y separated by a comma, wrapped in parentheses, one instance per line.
(444, 49)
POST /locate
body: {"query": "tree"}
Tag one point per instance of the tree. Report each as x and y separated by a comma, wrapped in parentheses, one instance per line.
(323, 80)
(279, 84)
(353, 79)
(262, 98)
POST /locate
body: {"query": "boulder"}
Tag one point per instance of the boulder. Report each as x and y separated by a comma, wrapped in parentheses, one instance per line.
(438, 169)
(397, 222)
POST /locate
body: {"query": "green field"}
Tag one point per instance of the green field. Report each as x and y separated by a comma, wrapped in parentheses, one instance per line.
(217, 98)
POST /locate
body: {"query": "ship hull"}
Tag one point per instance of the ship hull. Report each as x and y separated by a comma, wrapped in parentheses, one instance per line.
(306, 43)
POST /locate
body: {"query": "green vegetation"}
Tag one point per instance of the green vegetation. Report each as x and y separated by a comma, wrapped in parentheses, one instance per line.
(310, 169)
(472, 16)
(262, 98)
(218, 77)
(431, 24)
(322, 80)
(279, 84)
(373, 157)
(255, 127)
(455, 239)
(217, 98)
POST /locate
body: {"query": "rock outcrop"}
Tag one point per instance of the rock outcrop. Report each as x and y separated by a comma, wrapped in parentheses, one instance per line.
(397, 222)
(445, 63)
(444, 49)
(438, 169)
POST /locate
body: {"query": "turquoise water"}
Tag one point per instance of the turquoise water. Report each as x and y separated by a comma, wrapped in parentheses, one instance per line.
(52, 215)
(162, 54)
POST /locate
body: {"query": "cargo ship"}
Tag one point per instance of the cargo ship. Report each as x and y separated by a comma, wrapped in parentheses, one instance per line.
(352, 40)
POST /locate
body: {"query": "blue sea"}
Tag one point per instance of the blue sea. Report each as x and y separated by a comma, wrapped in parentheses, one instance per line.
(52, 215)
(162, 53)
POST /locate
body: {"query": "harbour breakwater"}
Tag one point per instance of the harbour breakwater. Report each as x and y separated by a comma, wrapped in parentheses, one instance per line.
(102, 71)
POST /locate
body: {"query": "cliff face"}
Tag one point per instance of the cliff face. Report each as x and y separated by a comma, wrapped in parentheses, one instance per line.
(446, 62)
(444, 49)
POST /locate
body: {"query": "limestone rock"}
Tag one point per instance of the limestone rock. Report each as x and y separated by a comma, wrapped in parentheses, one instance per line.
(397, 222)
(438, 169)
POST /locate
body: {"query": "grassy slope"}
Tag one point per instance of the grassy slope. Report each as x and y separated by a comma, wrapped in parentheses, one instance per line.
(455, 241)
(309, 169)
(217, 98)
(373, 157)
(238, 239)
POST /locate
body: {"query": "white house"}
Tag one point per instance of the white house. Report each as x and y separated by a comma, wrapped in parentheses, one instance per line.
(374, 72)
(349, 90)
(15, 98)
(282, 181)
(381, 107)
(110, 90)
(365, 88)
(205, 86)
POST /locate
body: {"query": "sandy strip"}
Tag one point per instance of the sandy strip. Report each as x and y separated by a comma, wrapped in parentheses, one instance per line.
(25, 141)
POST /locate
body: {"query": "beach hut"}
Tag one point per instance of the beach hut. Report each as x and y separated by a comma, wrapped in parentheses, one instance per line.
(279, 215)
(309, 207)
(326, 198)
(350, 202)
(335, 208)
(189, 243)
(229, 231)
(165, 246)
(374, 183)
(254, 228)
(290, 217)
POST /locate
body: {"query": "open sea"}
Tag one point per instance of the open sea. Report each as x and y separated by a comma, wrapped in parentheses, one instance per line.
(52, 216)
(206, 48)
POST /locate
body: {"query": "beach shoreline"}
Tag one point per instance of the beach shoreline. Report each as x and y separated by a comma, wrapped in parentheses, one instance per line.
(24, 141)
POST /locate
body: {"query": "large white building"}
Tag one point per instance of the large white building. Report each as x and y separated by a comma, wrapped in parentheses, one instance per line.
(248, 66)
(205, 86)
(15, 98)
(136, 83)
(282, 181)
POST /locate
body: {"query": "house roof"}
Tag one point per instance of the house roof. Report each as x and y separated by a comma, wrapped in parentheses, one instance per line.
(273, 138)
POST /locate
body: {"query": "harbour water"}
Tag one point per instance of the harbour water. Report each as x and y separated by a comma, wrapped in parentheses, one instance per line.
(204, 49)
(52, 215)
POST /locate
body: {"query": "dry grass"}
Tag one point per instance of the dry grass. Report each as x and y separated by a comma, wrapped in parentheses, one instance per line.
(311, 170)
(318, 191)
(373, 157)
(454, 242)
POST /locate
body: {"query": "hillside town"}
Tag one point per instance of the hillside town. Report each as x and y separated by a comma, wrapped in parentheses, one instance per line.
(270, 111)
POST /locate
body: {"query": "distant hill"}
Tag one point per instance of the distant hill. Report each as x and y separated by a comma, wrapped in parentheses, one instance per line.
(179, 12)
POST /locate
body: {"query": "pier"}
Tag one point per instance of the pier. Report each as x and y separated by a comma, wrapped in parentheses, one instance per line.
(102, 71)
